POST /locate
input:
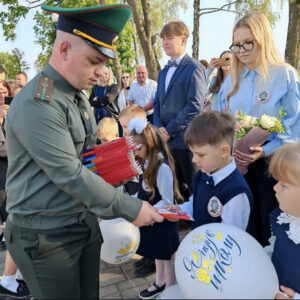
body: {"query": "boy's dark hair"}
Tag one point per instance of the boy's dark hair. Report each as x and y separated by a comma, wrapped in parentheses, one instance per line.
(177, 28)
(2, 70)
(211, 128)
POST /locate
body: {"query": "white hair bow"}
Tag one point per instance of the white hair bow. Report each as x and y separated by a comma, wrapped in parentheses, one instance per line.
(137, 124)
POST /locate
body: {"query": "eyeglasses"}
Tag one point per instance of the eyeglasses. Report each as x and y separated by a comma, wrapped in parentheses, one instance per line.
(247, 46)
(123, 77)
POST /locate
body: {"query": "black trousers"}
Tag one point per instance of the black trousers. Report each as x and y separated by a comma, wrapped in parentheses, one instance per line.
(261, 185)
(185, 171)
(61, 263)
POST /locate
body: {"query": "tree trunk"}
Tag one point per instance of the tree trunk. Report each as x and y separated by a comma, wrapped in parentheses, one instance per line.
(135, 43)
(196, 29)
(292, 50)
(118, 70)
(144, 31)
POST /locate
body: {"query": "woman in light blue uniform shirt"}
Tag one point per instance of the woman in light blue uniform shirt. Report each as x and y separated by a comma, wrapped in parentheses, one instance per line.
(260, 83)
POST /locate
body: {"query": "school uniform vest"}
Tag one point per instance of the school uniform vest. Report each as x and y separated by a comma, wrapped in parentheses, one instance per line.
(286, 254)
(145, 194)
(209, 199)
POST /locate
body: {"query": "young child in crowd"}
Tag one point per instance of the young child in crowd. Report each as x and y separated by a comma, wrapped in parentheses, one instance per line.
(107, 130)
(128, 113)
(158, 185)
(221, 193)
(285, 220)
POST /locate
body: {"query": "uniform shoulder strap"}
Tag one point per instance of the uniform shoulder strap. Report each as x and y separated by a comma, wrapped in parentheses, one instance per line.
(44, 89)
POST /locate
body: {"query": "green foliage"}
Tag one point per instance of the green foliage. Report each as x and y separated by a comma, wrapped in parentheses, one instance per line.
(162, 12)
(263, 6)
(125, 49)
(9, 18)
(13, 63)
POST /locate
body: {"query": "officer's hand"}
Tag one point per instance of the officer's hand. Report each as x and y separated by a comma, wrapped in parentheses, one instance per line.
(147, 216)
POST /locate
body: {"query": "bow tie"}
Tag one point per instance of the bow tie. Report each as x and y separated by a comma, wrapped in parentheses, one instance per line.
(172, 63)
(208, 179)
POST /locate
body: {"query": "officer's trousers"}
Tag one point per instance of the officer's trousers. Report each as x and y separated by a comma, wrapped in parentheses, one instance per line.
(58, 263)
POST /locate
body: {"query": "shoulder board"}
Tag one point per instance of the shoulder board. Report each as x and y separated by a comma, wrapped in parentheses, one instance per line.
(44, 89)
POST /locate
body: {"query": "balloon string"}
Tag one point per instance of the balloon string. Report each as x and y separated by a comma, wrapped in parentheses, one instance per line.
(127, 277)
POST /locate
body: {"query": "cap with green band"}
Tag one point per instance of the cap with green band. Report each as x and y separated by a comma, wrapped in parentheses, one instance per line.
(99, 26)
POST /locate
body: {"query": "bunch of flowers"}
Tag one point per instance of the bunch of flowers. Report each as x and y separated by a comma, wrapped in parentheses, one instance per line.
(253, 132)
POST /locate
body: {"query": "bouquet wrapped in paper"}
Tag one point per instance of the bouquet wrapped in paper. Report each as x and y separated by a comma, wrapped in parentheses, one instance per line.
(254, 132)
(113, 161)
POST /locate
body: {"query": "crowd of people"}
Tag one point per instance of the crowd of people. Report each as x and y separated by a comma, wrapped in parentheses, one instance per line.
(184, 125)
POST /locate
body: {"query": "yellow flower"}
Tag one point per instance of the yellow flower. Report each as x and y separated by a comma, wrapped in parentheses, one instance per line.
(195, 256)
(219, 236)
(203, 276)
(132, 245)
(212, 261)
(205, 264)
(201, 237)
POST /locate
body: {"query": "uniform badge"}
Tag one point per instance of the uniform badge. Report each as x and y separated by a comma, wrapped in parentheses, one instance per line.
(86, 115)
(44, 89)
(145, 187)
(263, 97)
(214, 207)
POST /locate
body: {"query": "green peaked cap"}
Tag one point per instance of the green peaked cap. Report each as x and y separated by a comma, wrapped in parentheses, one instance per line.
(99, 26)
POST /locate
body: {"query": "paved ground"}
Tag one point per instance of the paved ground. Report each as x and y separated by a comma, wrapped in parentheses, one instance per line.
(119, 282)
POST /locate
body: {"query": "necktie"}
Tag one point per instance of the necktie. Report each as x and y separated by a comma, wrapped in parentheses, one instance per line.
(208, 179)
(172, 63)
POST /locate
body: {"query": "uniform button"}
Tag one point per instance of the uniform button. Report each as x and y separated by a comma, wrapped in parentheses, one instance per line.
(207, 182)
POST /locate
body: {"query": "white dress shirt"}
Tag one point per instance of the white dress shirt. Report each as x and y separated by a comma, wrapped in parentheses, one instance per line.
(172, 70)
(142, 94)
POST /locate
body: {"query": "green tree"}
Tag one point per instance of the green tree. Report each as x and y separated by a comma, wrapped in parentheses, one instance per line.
(292, 49)
(45, 30)
(149, 17)
(238, 7)
(13, 63)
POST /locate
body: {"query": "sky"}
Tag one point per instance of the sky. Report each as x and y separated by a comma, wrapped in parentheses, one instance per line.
(215, 33)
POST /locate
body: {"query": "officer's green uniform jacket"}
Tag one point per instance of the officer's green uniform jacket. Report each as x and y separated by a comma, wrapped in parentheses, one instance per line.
(47, 185)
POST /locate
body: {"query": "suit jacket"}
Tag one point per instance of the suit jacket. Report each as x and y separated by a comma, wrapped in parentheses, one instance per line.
(182, 102)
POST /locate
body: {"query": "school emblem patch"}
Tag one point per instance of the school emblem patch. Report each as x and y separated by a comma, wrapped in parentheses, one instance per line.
(145, 187)
(263, 97)
(214, 207)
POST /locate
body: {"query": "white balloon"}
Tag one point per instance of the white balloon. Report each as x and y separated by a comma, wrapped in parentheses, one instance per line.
(121, 240)
(220, 261)
(172, 292)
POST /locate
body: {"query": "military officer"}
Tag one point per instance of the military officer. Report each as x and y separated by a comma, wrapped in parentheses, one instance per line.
(53, 200)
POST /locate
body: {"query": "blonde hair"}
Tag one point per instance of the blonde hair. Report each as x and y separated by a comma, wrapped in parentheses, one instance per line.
(132, 111)
(260, 27)
(108, 128)
(177, 28)
(110, 77)
(285, 164)
(156, 144)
